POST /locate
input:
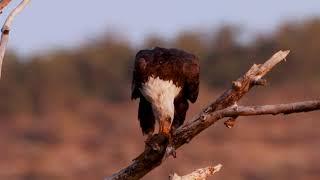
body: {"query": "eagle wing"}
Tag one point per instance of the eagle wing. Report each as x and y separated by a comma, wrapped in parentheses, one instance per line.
(191, 71)
(138, 75)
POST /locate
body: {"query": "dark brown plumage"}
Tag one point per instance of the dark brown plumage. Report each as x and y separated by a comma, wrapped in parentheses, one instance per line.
(174, 65)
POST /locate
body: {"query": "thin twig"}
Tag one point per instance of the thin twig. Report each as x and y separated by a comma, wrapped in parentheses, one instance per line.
(6, 29)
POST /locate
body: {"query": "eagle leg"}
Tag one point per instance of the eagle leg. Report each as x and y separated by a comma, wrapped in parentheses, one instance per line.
(149, 142)
(149, 136)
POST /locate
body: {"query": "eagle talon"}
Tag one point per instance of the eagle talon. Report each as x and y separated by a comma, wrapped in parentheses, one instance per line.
(170, 151)
(235, 106)
(153, 145)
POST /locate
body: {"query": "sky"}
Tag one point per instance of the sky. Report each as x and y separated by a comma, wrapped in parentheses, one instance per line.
(51, 24)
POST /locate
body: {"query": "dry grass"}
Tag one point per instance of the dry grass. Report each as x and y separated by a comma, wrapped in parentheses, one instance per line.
(95, 139)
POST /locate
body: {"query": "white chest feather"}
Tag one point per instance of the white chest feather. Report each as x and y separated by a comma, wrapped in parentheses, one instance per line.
(160, 94)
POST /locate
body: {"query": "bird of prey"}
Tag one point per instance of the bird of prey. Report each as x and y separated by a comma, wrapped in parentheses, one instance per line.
(164, 80)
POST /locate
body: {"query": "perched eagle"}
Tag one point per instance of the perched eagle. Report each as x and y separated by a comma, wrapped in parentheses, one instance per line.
(164, 80)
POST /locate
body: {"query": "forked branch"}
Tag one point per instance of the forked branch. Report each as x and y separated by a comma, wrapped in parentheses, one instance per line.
(224, 106)
(7, 26)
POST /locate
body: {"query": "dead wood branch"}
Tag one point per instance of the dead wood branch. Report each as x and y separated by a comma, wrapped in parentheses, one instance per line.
(230, 97)
(150, 159)
(285, 109)
(7, 26)
(199, 174)
(290, 108)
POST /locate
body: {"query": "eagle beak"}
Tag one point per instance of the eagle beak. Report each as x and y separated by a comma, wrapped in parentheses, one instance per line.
(165, 129)
(165, 126)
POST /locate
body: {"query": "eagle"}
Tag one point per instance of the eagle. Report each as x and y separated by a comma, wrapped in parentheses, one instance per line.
(165, 81)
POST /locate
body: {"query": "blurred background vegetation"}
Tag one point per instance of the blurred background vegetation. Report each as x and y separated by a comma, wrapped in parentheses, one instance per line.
(102, 69)
(67, 114)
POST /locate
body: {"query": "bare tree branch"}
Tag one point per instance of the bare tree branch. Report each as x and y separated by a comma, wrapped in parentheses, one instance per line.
(285, 109)
(3, 4)
(150, 159)
(290, 108)
(199, 174)
(6, 28)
